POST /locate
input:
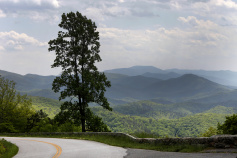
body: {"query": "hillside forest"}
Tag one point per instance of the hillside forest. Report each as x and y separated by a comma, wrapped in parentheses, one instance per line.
(173, 103)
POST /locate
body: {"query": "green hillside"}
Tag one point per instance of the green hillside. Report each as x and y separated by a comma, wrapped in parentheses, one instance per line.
(189, 126)
(173, 120)
(184, 106)
(50, 106)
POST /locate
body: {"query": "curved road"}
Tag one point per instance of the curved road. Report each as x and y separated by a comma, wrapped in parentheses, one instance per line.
(73, 148)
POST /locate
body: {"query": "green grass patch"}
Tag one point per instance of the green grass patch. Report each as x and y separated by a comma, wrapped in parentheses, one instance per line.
(7, 149)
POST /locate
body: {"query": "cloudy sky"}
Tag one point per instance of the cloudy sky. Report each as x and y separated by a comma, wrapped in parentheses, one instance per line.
(184, 34)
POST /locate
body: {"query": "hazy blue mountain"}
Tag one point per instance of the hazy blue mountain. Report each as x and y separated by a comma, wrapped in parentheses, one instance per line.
(141, 88)
(135, 70)
(224, 77)
(47, 93)
(223, 97)
(185, 86)
(162, 76)
(135, 82)
(131, 87)
(29, 81)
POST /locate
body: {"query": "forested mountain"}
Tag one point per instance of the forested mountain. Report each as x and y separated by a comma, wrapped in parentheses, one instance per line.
(162, 76)
(29, 82)
(165, 102)
(141, 87)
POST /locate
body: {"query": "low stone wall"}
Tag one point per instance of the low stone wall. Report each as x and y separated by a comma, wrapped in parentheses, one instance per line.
(218, 141)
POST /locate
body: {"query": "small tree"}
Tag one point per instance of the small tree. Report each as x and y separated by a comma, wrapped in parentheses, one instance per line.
(77, 50)
(209, 132)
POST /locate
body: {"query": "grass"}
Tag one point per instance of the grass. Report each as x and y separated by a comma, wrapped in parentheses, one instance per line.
(7, 149)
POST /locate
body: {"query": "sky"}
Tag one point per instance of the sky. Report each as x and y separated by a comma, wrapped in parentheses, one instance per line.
(183, 34)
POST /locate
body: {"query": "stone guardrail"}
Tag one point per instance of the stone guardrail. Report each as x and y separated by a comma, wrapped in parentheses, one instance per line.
(217, 141)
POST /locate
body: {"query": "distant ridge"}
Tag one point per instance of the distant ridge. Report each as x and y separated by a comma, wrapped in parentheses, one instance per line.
(135, 70)
(140, 87)
(224, 77)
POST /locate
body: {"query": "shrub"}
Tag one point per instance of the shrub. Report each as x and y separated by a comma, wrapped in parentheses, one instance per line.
(229, 126)
(210, 132)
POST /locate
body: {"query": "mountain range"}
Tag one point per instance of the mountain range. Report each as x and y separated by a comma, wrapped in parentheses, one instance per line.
(144, 98)
(144, 83)
(224, 77)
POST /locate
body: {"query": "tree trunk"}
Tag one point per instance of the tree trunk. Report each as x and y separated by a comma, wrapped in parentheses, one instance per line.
(83, 124)
(83, 118)
(82, 113)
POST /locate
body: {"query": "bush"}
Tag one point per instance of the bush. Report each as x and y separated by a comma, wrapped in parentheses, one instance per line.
(210, 132)
(7, 128)
(229, 126)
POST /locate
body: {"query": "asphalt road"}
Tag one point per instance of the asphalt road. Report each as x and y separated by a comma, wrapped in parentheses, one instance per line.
(63, 148)
(72, 148)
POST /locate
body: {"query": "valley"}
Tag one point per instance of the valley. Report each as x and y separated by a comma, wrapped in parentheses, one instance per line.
(174, 103)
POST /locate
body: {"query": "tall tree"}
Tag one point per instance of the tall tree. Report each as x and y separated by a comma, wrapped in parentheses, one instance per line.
(77, 51)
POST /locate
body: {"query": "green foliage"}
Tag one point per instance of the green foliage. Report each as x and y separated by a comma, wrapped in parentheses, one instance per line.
(43, 125)
(7, 149)
(229, 126)
(51, 106)
(210, 132)
(95, 123)
(150, 109)
(36, 120)
(2, 148)
(222, 110)
(68, 127)
(14, 108)
(77, 50)
(189, 126)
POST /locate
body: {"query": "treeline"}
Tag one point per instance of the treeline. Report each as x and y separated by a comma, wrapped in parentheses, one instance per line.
(189, 126)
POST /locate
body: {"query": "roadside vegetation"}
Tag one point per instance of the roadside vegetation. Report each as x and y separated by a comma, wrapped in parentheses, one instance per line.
(7, 149)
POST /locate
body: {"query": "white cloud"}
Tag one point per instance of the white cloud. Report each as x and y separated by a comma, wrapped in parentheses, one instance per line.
(33, 3)
(224, 3)
(2, 14)
(37, 10)
(204, 41)
(16, 41)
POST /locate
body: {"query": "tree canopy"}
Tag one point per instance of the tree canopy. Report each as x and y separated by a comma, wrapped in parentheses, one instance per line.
(77, 51)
